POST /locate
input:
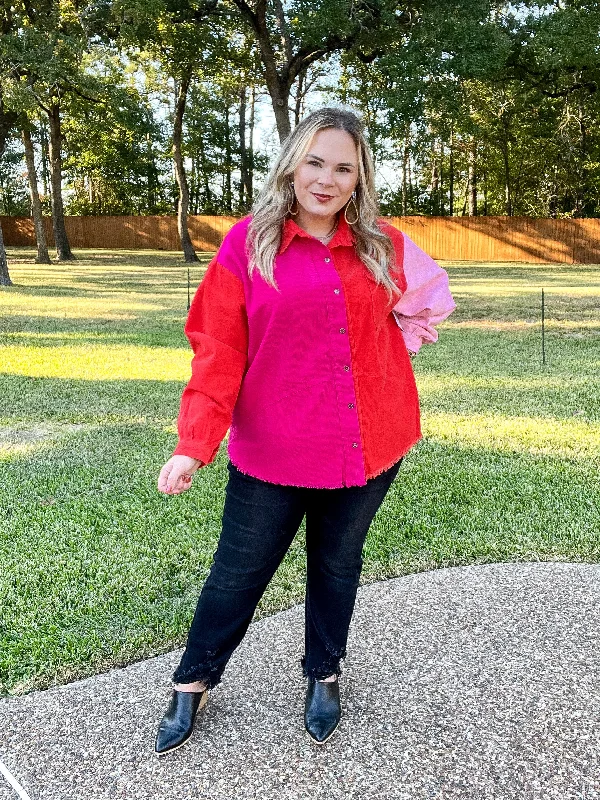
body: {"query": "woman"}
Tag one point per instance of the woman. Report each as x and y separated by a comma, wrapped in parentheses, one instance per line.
(301, 330)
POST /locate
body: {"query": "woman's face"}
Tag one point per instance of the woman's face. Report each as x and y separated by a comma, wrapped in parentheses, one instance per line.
(327, 176)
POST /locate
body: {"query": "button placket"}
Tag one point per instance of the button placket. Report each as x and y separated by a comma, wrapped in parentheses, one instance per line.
(344, 384)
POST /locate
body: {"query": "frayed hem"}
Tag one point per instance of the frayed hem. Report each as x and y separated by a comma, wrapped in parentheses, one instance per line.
(209, 676)
(320, 675)
(330, 666)
(209, 683)
(389, 466)
(295, 485)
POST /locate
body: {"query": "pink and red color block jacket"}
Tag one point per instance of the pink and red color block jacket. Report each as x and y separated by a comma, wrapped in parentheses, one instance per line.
(314, 382)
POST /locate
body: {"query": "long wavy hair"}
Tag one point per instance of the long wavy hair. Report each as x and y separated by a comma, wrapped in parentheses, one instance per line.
(269, 211)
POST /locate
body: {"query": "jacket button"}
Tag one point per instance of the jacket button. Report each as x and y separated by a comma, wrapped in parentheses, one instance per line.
(336, 291)
(327, 260)
(354, 444)
(342, 330)
(350, 405)
(346, 367)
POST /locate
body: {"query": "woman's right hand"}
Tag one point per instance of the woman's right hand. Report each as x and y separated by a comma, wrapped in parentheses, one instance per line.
(176, 475)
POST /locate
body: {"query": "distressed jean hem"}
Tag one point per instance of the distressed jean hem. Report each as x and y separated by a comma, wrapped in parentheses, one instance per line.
(331, 666)
(210, 676)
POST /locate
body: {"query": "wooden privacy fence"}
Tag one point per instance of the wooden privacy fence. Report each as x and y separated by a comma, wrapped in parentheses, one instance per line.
(123, 233)
(528, 239)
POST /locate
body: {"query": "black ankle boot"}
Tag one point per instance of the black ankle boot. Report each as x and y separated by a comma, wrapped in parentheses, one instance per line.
(322, 710)
(178, 723)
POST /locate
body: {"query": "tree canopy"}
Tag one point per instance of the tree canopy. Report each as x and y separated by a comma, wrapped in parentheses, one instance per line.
(471, 107)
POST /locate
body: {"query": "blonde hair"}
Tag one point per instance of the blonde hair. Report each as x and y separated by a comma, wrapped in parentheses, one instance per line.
(372, 245)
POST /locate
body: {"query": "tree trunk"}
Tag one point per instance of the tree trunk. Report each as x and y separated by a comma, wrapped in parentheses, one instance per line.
(553, 198)
(403, 201)
(485, 193)
(451, 175)
(299, 97)
(466, 197)
(472, 190)
(204, 169)
(45, 159)
(410, 183)
(184, 196)
(582, 185)
(151, 174)
(36, 206)
(61, 240)
(250, 153)
(194, 187)
(4, 274)
(8, 119)
(279, 87)
(243, 153)
(441, 195)
(435, 186)
(227, 176)
(507, 186)
(405, 155)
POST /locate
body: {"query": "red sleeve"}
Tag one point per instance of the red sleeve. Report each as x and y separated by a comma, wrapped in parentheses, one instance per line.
(217, 329)
(397, 238)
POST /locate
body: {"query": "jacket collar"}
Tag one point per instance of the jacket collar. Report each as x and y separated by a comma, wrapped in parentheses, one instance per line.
(342, 237)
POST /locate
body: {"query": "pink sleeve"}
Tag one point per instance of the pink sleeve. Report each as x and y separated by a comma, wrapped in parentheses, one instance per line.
(427, 299)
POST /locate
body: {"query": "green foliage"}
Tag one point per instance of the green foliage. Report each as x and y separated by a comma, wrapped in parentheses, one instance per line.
(514, 86)
(14, 198)
(517, 88)
(116, 150)
(213, 147)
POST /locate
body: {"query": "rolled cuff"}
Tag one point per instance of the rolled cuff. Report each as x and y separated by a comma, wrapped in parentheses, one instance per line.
(198, 450)
(415, 335)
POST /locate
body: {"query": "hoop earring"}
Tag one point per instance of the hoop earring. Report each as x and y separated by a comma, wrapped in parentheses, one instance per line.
(289, 208)
(352, 200)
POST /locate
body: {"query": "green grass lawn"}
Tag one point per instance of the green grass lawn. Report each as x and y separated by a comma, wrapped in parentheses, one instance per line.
(98, 569)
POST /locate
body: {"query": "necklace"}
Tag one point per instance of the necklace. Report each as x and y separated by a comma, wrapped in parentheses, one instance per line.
(330, 234)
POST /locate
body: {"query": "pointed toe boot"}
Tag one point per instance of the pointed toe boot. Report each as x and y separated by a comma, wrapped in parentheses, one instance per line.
(178, 723)
(322, 710)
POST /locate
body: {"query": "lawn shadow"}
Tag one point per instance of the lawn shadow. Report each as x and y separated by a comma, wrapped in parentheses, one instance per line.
(28, 399)
(160, 328)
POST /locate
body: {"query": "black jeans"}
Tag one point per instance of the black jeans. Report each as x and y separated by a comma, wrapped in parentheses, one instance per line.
(260, 520)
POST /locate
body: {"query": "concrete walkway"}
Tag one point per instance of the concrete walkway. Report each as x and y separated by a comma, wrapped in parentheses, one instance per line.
(472, 682)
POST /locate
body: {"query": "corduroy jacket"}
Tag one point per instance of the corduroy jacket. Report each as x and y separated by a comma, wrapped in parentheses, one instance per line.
(314, 382)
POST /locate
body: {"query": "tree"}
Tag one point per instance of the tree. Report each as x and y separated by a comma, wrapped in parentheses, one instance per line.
(478, 106)
(177, 33)
(8, 119)
(44, 47)
(36, 206)
(292, 38)
(215, 143)
(114, 149)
